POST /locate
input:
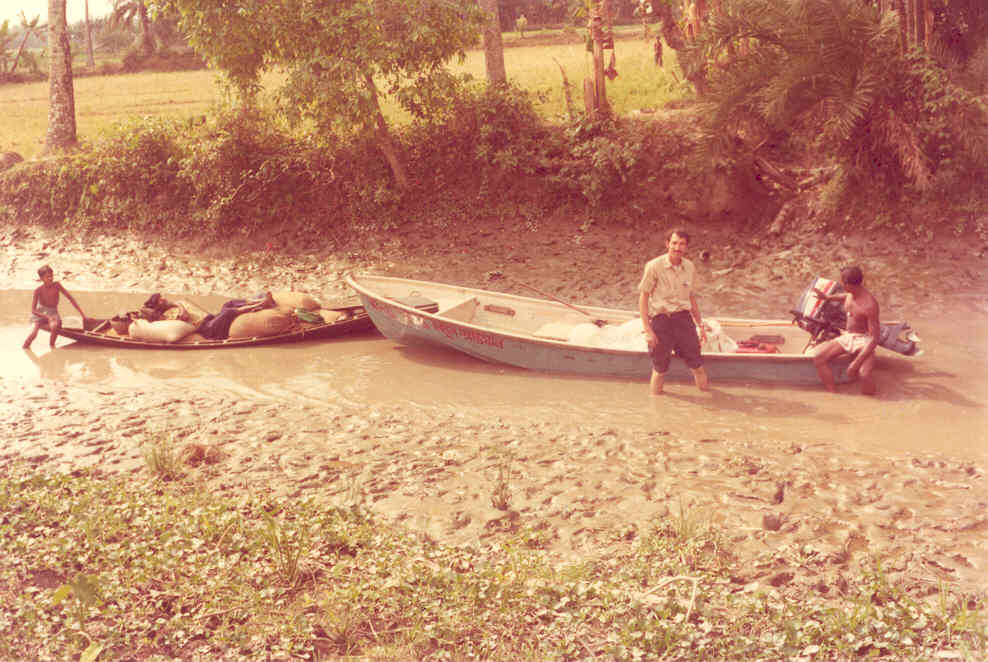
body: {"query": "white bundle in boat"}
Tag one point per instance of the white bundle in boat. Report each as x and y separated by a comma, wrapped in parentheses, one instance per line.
(628, 335)
(717, 339)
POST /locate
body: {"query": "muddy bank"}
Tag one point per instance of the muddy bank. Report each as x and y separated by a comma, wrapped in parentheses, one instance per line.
(801, 516)
(743, 273)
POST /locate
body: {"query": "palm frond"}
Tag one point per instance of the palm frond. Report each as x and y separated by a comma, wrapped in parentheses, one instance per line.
(903, 142)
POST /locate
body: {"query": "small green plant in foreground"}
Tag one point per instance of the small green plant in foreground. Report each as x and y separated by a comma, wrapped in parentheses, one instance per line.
(501, 492)
(162, 456)
(165, 571)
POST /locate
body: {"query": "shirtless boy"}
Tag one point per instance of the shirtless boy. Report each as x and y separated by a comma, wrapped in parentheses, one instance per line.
(44, 306)
(860, 338)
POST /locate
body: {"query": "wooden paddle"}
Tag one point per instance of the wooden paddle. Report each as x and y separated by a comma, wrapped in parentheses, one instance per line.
(599, 322)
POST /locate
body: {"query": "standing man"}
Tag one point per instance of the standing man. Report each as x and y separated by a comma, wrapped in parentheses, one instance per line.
(860, 338)
(670, 314)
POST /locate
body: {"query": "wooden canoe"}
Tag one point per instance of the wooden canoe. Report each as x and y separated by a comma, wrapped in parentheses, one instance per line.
(538, 334)
(354, 319)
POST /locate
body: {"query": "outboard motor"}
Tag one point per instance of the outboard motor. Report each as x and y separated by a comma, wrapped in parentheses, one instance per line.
(825, 320)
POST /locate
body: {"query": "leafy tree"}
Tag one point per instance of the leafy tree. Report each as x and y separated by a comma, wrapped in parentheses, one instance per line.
(61, 132)
(340, 57)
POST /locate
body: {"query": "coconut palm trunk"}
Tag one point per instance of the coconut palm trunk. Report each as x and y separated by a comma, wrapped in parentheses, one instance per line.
(146, 44)
(61, 132)
(90, 58)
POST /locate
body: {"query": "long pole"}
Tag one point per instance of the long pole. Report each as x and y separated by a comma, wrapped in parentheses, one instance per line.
(598, 322)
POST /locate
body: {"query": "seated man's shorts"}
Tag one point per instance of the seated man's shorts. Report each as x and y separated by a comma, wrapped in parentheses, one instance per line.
(853, 342)
(675, 332)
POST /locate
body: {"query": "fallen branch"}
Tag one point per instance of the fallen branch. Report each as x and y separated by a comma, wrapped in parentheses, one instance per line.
(677, 578)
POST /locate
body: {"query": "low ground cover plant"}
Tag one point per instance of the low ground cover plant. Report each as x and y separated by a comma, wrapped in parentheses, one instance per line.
(102, 567)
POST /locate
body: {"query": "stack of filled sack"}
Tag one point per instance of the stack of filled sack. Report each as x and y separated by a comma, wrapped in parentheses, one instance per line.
(292, 309)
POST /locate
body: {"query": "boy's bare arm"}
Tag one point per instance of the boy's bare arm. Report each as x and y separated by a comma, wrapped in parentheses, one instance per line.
(71, 299)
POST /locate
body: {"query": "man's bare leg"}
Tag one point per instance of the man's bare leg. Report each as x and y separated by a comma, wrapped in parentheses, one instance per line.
(700, 377)
(657, 382)
(828, 351)
(868, 386)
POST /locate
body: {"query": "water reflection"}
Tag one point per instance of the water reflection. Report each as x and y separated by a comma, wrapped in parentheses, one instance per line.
(935, 403)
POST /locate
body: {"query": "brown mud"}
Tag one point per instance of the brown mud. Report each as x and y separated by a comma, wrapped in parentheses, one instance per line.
(800, 517)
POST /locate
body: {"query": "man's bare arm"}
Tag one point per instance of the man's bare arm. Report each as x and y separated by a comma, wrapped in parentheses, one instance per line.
(830, 297)
(643, 313)
(697, 319)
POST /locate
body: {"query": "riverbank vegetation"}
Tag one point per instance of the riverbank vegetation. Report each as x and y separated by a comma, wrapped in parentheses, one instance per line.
(895, 141)
(138, 567)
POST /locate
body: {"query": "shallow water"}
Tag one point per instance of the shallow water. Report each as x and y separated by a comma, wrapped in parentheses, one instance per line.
(935, 403)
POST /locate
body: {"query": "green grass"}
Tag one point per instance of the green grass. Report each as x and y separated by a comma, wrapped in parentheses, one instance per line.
(138, 569)
(103, 100)
(100, 101)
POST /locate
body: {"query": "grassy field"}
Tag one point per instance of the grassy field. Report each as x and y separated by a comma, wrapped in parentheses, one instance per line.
(102, 101)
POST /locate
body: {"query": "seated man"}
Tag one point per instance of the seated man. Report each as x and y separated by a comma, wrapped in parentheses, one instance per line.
(217, 327)
(861, 337)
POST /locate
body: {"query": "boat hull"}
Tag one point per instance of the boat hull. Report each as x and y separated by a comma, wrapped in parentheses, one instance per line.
(409, 326)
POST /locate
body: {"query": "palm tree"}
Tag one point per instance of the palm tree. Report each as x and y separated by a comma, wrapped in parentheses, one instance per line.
(28, 27)
(823, 74)
(126, 12)
(61, 133)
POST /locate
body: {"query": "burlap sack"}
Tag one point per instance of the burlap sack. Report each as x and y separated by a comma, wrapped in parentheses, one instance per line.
(263, 323)
(162, 331)
(295, 300)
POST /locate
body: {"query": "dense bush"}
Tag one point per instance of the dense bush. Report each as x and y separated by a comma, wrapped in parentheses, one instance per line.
(241, 173)
(129, 179)
(487, 157)
(493, 145)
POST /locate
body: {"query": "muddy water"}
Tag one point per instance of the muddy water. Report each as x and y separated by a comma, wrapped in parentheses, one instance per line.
(932, 404)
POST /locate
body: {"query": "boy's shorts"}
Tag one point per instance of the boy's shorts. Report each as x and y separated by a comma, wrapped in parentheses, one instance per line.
(39, 317)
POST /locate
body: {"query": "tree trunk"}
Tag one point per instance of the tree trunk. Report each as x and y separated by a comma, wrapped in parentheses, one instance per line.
(90, 58)
(61, 133)
(921, 22)
(597, 27)
(910, 15)
(493, 47)
(146, 44)
(900, 6)
(384, 140)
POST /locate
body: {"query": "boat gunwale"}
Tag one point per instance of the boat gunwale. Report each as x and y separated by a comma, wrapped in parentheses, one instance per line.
(528, 338)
